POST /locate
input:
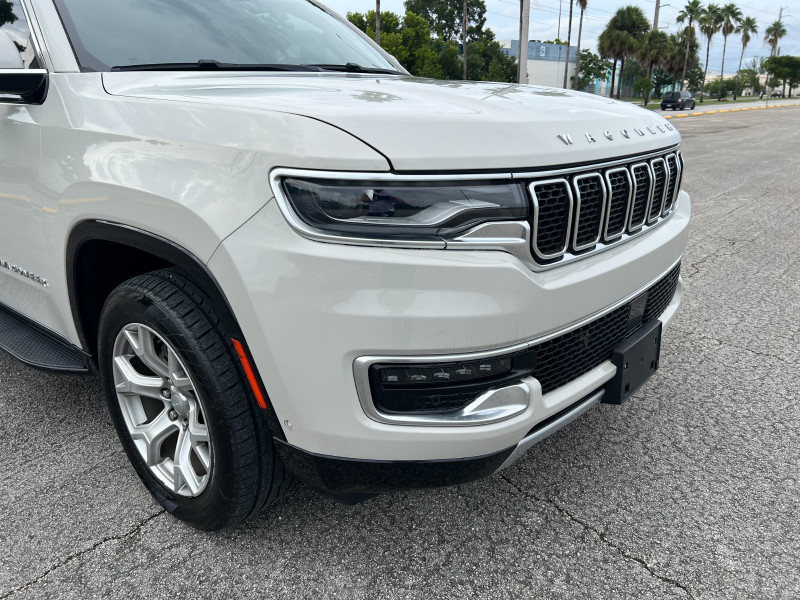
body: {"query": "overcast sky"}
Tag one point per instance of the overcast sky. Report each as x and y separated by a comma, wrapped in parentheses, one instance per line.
(503, 18)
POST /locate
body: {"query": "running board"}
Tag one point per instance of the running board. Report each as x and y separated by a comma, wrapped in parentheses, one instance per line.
(38, 347)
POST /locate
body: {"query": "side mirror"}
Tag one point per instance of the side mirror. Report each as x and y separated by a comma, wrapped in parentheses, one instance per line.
(25, 85)
(28, 85)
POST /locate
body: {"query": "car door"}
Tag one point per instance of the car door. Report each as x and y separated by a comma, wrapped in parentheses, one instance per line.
(24, 261)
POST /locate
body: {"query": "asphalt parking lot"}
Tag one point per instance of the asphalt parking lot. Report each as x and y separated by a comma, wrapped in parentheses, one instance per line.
(691, 489)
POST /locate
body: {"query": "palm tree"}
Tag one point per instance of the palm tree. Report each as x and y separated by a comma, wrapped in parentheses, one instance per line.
(747, 27)
(582, 4)
(691, 13)
(710, 22)
(773, 35)
(654, 50)
(569, 39)
(622, 37)
(731, 16)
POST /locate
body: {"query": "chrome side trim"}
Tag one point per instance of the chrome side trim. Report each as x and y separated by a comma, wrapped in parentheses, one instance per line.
(607, 237)
(658, 201)
(534, 240)
(36, 36)
(632, 227)
(575, 181)
(513, 237)
(549, 429)
(362, 363)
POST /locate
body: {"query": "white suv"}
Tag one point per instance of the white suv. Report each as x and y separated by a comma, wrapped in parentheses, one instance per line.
(287, 258)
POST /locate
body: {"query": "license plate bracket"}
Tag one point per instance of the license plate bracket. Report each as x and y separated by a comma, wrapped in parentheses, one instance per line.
(636, 360)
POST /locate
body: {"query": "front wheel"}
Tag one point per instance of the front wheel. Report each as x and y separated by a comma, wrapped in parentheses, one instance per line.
(190, 428)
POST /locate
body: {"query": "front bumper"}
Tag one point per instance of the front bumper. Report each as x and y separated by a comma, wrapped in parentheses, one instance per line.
(309, 310)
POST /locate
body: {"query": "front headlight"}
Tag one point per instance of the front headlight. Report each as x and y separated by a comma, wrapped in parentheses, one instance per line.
(408, 210)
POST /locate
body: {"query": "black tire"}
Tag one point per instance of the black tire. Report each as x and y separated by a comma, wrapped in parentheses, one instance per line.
(246, 473)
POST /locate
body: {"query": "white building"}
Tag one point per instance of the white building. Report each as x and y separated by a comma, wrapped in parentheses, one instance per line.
(545, 61)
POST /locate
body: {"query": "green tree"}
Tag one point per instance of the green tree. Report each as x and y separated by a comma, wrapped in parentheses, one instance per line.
(786, 69)
(773, 35)
(660, 80)
(578, 55)
(446, 17)
(731, 16)
(641, 87)
(675, 61)
(622, 37)
(654, 50)
(7, 15)
(690, 14)
(695, 77)
(592, 67)
(747, 78)
(409, 40)
(710, 23)
(747, 27)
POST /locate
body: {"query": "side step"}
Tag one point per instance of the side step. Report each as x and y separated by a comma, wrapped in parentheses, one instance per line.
(37, 347)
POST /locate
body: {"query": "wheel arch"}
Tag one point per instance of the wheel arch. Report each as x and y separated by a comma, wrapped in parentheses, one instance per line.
(101, 254)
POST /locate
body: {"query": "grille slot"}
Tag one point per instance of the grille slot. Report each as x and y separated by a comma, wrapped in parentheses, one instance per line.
(552, 213)
(659, 188)
(590, 199)
(568, 356)
(589, 209)
(643, 183)
(672, 167)
(619, 197)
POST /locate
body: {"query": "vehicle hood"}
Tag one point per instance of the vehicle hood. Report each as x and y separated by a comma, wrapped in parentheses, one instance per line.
(425, 124)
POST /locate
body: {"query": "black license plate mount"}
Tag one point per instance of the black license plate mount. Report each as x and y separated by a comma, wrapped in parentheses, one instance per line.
(636, 360)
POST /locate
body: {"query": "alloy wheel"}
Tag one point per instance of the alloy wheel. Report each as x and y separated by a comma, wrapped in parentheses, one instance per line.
(162, 410)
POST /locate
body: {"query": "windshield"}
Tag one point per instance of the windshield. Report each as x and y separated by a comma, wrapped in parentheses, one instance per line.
(124, 33)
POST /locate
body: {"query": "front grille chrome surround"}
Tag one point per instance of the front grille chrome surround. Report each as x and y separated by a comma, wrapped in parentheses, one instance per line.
(618, 205)
(586, 209)
(673, 183)
(658, 166)
(542, 193)
(609, 203)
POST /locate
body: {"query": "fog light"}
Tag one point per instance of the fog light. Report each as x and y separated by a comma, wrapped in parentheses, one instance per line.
(443, 387)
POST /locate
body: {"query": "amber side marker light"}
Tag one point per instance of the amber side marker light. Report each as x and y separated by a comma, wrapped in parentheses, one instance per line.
(248, 370)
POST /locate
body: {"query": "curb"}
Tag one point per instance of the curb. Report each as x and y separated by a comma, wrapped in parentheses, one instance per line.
(725, 110)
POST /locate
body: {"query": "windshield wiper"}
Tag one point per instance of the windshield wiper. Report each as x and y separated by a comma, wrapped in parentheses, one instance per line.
(356, 68)
(213, 65)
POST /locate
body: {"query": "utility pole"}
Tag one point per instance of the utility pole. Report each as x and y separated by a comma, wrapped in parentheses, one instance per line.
(558, 35)
(378, 22)
(464, 37)
(655, 17)
(650, 70)
(524, 24)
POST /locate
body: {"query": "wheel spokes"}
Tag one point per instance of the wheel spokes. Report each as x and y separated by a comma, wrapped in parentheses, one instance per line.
(184, 473)
(134, 383)
(153, 435)
(162, 409)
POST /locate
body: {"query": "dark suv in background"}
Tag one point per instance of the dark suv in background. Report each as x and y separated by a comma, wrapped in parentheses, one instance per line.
(677, 100)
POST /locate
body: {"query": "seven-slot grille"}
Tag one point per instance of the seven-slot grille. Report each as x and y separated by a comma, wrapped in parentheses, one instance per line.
(575, 213)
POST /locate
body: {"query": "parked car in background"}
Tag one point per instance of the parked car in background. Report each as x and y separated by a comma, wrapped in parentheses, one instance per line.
(677, 101)
(777, 93)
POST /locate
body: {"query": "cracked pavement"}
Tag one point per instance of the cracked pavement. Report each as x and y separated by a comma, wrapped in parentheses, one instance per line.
(689, 490)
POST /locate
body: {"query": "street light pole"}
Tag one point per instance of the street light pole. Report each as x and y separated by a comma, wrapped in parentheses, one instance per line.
(524, 24)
